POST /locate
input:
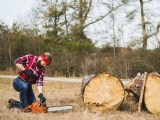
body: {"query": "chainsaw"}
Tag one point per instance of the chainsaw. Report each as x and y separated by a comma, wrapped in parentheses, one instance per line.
(38, 107)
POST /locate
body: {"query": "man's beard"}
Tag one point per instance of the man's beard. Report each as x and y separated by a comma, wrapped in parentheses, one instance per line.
(39, 64)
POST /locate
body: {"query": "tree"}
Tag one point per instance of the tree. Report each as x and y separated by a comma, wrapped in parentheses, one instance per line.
(148, 27)
(145, 36)
(83, 8)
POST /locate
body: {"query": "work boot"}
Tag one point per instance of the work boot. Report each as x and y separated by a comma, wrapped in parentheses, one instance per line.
(10, 103)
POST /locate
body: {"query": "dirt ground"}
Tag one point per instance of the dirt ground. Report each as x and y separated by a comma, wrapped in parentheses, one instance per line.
(65, 93)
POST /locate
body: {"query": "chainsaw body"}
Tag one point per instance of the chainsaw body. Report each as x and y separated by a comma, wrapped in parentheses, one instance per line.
(37, 107)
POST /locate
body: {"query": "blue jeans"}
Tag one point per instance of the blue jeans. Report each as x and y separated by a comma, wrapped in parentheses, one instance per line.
(26, 94)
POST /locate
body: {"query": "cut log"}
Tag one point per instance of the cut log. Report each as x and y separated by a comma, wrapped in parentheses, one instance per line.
(103, 92)
(152, 94)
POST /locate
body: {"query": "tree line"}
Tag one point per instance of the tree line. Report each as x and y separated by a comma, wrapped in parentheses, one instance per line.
(60, 27)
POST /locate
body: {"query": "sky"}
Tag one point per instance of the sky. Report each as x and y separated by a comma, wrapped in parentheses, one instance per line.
(10, 10)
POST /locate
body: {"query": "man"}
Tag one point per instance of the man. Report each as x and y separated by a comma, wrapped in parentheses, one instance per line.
(31, 71)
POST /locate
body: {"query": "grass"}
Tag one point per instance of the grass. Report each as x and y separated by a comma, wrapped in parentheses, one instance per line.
(65, 93)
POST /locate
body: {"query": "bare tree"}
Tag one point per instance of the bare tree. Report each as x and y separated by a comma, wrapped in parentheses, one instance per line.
(145, 36)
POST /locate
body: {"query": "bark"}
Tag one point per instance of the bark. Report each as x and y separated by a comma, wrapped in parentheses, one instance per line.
(144, 36)
(135, 85)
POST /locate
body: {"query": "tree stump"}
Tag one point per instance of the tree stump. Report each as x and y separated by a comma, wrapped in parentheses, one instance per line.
(152, 93)
(102, 92)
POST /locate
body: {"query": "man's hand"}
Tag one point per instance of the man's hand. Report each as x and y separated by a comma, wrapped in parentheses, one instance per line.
(28, 73)
(42, 98)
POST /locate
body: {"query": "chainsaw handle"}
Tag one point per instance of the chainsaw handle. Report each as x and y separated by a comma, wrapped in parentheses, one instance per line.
(42, 104)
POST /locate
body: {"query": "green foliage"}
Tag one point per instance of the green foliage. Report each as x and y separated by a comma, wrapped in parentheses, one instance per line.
(76, 57)
(73, 53)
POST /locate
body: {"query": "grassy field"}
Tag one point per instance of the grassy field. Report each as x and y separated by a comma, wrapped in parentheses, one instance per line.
(64, 93)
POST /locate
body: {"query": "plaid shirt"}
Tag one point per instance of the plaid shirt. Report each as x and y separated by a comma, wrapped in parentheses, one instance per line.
(38, 74)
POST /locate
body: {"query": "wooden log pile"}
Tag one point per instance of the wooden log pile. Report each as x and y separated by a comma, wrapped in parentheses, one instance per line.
(151, 94)
(102, 92)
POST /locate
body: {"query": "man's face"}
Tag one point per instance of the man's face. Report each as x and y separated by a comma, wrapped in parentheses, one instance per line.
(41, 64)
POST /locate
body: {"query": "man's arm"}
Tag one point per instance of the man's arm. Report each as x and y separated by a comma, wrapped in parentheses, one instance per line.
(40, 96)
(40, 86)
(20, 67)
(40, 89)
(28, 73)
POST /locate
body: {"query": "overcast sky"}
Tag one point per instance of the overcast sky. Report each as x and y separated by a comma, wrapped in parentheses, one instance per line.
(10, 10)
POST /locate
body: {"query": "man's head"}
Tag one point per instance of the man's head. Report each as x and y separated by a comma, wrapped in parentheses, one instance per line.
(44, 59)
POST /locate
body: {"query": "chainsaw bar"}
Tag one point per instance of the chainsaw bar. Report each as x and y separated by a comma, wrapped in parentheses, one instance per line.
(59, 108)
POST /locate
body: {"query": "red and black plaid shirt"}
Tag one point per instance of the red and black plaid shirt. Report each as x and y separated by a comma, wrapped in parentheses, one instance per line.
(38, 74)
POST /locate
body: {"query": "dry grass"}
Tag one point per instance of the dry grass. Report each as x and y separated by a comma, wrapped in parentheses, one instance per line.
(63, 93)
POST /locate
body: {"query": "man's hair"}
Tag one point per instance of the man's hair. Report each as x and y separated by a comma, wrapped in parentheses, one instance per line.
(48, 56)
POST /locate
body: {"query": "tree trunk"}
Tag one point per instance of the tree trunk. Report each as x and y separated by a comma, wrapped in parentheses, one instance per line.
(144, 36)
(102, 92)
(152, 94)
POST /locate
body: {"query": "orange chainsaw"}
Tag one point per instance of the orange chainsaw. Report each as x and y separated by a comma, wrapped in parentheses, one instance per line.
(38, 107)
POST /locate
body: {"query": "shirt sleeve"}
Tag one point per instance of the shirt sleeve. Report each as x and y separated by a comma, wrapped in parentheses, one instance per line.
(40, 79)
(22, 60)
